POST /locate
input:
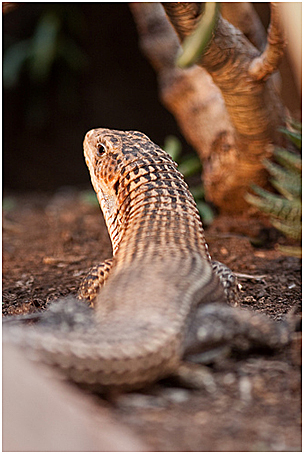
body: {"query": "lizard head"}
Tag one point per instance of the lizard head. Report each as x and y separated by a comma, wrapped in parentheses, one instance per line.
(107, 153)
(101, 150)
(111, 157)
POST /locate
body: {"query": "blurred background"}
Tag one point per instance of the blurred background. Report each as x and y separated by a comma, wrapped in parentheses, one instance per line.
(70, 67)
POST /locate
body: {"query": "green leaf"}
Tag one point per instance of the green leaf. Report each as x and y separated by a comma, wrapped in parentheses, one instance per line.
(195, 44)
(296, 125)
(291, 230)
(14, 59)
(205, 212)
(44, 46)
(289, 191)
(173, 147)
(292, 251)
(295, 137)
(288, 183)
(197, 191)
(285, 213)
(190, 166)
(275, 205)
(288, 159)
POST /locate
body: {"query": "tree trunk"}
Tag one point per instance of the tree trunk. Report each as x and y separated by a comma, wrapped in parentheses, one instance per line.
(231, 146)
(190, 94)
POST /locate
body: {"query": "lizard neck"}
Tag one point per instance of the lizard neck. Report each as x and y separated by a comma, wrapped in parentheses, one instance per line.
(155, 211)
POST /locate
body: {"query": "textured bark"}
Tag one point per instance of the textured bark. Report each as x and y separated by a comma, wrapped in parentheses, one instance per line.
(243, 16)
(264, 66)
(231, 155)
(190, 95)
(250, 96)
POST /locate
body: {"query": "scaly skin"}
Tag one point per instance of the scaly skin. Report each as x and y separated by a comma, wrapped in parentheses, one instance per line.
(159, 301)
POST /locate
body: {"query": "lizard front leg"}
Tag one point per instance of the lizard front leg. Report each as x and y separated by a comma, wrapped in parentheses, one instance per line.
(94, 281)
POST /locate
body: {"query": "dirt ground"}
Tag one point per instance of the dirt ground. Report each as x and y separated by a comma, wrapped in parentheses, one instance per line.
(248, 404)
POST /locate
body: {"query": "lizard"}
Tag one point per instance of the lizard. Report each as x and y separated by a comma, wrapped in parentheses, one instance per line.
(164, 301)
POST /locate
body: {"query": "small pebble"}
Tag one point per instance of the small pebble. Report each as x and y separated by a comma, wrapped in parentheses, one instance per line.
(176, 395)
(245, 388)
(229, 379)
(137, 400)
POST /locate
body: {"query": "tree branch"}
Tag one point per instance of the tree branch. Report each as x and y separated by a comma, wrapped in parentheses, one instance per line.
(184, 16)
(254, 106)
(267, 63)
(190, 95)
(157, 38)
(243, 16)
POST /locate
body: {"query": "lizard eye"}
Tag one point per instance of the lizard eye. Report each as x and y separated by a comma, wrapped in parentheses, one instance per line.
(101, 149)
